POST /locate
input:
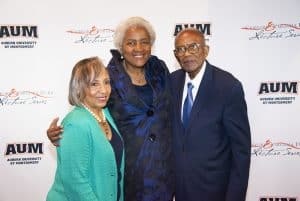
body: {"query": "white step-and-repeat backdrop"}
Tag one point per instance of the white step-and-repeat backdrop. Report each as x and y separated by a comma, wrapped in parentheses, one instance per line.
(40, 41)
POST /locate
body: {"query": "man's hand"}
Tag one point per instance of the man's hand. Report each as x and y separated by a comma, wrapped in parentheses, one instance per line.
(54, 131)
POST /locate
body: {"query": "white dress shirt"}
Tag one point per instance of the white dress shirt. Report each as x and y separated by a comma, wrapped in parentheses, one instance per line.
(196, 83)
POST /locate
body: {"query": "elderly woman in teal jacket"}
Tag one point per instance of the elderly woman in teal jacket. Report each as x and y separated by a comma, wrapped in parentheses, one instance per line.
(90, 162)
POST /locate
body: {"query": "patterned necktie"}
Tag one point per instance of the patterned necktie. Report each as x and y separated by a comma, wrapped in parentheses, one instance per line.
(187, 106)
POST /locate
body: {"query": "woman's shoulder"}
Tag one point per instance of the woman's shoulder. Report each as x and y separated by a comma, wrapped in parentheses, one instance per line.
(77, 116)
(157, 66)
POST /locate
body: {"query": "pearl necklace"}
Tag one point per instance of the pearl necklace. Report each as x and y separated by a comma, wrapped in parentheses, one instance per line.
(96, 116)
(103, 123)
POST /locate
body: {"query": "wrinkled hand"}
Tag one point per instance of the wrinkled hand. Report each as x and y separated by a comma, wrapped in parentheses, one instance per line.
(54, 131)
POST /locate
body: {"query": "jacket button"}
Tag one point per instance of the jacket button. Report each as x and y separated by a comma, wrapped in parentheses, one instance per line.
(150, 113)
(152, 137)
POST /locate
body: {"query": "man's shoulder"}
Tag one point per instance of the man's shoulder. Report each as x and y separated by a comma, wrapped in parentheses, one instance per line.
(177, 73)
(222, 75)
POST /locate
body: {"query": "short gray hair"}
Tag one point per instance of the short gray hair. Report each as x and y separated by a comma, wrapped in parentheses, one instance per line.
(129, 23)
(190, 29)
(83, 73)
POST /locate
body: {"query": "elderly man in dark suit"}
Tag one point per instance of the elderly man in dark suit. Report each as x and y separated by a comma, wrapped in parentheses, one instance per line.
(212, 140)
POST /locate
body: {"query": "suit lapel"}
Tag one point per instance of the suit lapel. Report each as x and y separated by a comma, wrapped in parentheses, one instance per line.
(203, 94)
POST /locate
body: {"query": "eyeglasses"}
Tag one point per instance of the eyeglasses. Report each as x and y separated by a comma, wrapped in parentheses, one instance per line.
(191, 48)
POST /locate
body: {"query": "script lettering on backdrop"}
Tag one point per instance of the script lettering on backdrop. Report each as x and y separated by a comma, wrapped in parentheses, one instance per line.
(14, 97)
(92, 35)
(270, 148)
(273, 31)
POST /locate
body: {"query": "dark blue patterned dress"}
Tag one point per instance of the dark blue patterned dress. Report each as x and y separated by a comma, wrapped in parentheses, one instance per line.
(146, 128)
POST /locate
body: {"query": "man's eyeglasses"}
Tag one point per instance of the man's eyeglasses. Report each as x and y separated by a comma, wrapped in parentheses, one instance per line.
(191, 48)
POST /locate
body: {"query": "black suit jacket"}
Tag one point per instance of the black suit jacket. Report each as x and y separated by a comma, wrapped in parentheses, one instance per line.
(213, 153)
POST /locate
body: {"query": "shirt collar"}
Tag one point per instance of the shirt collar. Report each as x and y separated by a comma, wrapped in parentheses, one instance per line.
(197, 79)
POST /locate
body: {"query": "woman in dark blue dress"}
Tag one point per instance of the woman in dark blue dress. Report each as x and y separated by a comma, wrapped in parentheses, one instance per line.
(140, 103)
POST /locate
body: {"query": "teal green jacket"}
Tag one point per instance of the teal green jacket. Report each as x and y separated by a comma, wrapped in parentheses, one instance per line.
(86, 164)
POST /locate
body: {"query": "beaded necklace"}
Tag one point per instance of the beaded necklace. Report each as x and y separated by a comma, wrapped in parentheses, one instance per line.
(94, 115)
(103, 123)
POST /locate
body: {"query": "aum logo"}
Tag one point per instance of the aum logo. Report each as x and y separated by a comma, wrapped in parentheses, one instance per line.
(278, 87)
(7, 31)
(203, 27)
(278, 199)
(24, 148)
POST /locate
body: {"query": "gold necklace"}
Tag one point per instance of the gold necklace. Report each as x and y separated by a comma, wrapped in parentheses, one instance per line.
(103, 123)
(94, 115)
(138, 78)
